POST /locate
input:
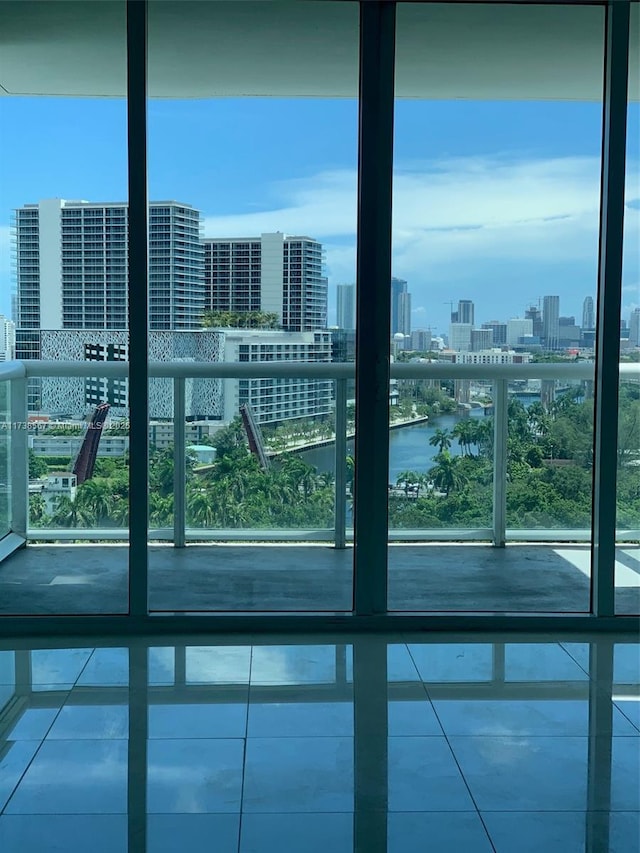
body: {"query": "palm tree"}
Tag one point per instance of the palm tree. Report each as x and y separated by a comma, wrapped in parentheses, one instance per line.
(37, 509)
(96, 496)
(441, 439)
(200, 509)
(463, 431)
(68, 513)
(445, 474)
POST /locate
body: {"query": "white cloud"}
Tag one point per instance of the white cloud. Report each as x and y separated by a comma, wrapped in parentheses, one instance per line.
(451, 212)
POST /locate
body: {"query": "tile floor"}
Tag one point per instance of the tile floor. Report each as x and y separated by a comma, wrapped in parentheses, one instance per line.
(399, 744)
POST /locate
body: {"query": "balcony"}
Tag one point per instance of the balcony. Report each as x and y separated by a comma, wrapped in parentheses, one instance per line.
(197, 564)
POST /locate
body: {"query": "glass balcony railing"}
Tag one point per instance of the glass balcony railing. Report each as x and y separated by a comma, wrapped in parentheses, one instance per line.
(308, 464)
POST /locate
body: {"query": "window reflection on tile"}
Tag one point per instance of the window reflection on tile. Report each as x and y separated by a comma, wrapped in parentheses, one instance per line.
(195, 833)
(453, 661)
(299, 775)
(304, 833)
(7, 669)
(300, 719)
(74, 833)
(514, 717)
(219, 720)
(540, 662)
(58, 666)
(91, 722)
(32, 724)
(446, 833)
(279, 734)
(74, 777)
(162, 665)
(423, 776)
(14, 760)
(528, 773)
(293, 664)
(218, 664)
(106, 667)
(194, 776)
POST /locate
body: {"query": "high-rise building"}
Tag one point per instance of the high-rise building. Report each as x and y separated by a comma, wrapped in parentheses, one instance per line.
(398, 288)
(421, 340)
(72, 266)
(517, 329)
(535, 315)
(550, 321)
(460, 337)
(481, 339)
(634, 328)
(346, 304)
(273, 273)
(588, 314)
(499, 332)
(7, 339)
(466, 311)
(404, 313)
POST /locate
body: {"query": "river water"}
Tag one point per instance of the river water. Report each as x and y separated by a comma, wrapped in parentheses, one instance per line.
(409, 448)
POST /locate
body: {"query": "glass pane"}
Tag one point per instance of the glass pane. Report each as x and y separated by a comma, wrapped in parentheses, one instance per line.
(5, 456)
(253, 262)
(627, 571)
(64, 183)
(495, 252)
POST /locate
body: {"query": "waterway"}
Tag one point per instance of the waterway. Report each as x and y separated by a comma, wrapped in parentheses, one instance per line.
(409, 448)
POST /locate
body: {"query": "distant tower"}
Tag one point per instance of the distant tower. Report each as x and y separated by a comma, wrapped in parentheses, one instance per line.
(551, 321)
(398, 289)
(532, 313)
(588, 315)
(346, 306)
(465, 311)
(404, 313)
(634, 327)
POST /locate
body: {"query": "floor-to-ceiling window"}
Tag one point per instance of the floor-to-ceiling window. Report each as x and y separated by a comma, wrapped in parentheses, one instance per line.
(64, 215)
(495, 254)
(627, 566)
(252, 189)
(241, 414)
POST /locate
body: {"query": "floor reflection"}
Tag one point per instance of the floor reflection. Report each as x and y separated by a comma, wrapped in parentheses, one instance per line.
(369, 744)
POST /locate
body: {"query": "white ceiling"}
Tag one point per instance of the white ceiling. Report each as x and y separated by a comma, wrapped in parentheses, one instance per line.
(306, 48)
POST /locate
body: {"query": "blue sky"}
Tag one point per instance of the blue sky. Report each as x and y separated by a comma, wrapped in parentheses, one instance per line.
(495, 202)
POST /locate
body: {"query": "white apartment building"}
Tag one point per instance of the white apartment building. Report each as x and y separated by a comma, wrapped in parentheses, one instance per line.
(274, 400)
(72, 260)
(274, 273)
(517, 328)
(7, 339)
(491, 356)
(72, 271)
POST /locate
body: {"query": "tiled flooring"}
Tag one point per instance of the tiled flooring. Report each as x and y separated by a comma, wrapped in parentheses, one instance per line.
(365, 743)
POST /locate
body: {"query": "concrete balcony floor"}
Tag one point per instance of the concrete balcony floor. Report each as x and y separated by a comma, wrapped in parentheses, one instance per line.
(92, 579)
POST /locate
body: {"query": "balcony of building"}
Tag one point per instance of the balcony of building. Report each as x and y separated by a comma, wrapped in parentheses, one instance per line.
(80, 565)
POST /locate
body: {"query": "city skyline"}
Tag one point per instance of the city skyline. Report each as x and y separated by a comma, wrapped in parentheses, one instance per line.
(500, 217)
